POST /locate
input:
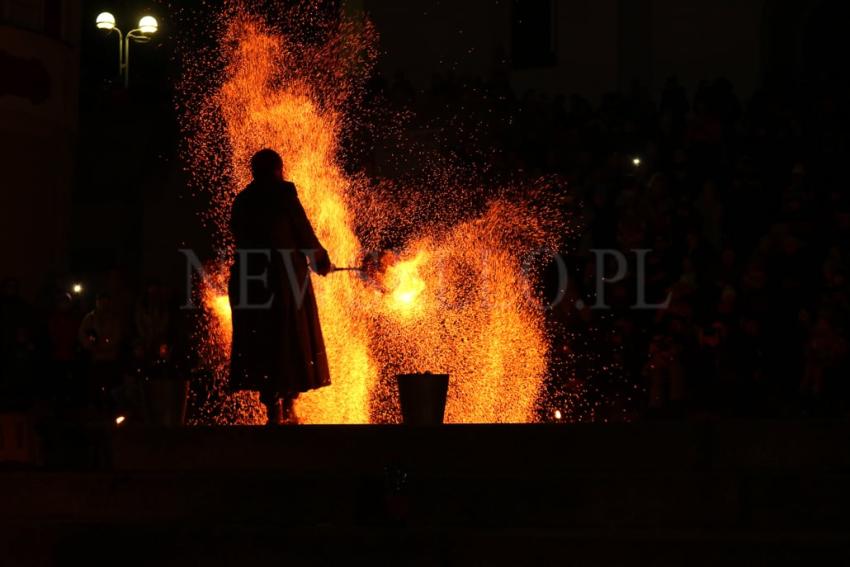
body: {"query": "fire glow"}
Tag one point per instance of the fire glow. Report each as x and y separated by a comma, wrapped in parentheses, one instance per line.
(406, 284)
(452, 299)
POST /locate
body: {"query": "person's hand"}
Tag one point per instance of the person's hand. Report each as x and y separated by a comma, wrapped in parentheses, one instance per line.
(323, 262)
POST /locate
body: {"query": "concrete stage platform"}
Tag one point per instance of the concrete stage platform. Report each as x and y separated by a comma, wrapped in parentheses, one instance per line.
(656, 493)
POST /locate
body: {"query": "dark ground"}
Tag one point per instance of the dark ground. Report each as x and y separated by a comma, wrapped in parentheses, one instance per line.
(663, 493)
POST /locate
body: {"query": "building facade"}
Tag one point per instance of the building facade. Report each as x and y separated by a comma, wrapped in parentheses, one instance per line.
(39, 82)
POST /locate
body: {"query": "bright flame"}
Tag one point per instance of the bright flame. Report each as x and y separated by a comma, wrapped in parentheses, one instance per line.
(120, 419)
(406, 284)
(221, 308)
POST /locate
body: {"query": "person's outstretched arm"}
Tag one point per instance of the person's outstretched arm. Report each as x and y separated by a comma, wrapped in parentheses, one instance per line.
(307, 239)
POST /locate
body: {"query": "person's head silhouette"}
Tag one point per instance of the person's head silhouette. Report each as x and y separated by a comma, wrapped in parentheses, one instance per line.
(266, 165)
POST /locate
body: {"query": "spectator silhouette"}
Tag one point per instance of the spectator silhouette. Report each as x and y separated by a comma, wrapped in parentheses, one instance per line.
(102, 335)
(63, 324)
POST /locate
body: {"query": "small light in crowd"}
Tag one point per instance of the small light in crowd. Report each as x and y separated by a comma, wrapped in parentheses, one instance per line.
(557, 414)
(77, 288)
(636, 161)
(119, 420)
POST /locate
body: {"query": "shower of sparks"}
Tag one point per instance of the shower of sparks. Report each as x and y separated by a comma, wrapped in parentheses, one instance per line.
(453, 298)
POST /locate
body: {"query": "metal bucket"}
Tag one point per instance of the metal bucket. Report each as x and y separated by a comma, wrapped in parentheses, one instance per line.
(422, 397)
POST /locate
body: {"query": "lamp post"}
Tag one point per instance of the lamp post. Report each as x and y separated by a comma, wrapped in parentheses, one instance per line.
(142, 34)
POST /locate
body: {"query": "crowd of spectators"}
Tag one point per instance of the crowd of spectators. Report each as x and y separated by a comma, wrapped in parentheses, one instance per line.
(744, 213)
(85, 356)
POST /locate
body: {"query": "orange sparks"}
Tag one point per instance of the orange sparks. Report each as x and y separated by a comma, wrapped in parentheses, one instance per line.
(452, 301)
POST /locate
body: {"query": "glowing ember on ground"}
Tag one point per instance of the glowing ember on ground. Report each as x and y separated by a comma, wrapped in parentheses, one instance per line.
(453, 300)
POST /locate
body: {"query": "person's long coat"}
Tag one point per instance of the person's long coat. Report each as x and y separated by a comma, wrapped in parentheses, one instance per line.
(277, 342)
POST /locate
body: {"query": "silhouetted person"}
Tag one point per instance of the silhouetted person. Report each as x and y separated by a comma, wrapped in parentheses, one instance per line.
(102, 335)
(153, 325)
(13, 316)
(277, 346)
(63, 324)
(674, 99)
(17, 348)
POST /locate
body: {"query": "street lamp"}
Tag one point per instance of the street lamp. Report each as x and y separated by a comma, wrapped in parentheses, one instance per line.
(147, 25)
(105, 21)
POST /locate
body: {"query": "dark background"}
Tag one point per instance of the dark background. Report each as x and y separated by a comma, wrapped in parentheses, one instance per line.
(735, 109)
(113, 195)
